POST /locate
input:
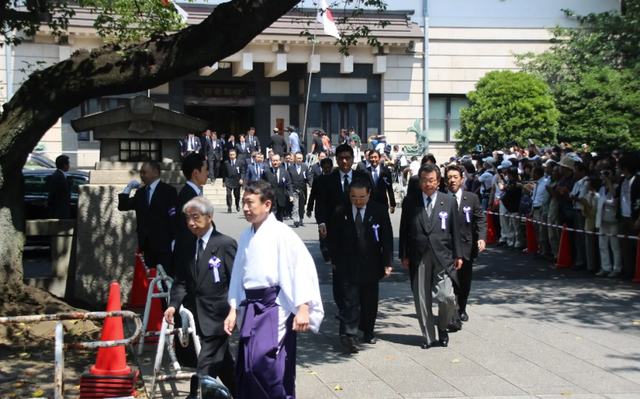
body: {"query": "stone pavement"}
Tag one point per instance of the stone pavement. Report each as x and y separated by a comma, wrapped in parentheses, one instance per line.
(533, 332)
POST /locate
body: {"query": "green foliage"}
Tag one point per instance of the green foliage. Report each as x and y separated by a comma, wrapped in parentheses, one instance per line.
(507, 106)
(121, 21)
(594, 75)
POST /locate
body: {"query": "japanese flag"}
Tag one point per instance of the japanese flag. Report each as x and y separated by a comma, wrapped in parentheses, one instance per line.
(325, 17)
(183, 14)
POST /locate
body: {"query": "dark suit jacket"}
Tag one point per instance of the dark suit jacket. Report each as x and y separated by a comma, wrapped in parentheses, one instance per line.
(361, 260)
(230, 145)
(383, 191)
(470, 233)
(315, 171)
(185, 239)
(277, 144)
(196, 289)
(232, 175)
(243, 155)
(331, 196)
(196, 141)
(59, 199)
(418, 233)
(318, 183)
(362, 166)
(254, 142)
(299, 181)
(252, 173)
(213, 154)
(155, 221)
(283, 187)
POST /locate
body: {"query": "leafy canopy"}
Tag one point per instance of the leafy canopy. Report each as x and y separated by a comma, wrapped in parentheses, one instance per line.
(594, 75)
(122, 21)
(507, 106)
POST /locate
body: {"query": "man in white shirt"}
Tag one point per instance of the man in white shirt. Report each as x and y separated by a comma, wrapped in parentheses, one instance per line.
(538, 191)
(486, 180)
(275, 285)
(582, 261)
(496, 194)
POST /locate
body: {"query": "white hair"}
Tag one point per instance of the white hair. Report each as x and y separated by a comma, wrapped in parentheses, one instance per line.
(200, 203)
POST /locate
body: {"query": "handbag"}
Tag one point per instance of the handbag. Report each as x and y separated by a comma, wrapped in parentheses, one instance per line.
(609, 214)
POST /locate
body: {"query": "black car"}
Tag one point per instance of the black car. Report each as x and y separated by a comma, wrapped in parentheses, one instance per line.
(39, 161)
(36, 191)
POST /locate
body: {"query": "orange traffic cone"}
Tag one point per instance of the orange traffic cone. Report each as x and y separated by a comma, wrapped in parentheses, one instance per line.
(112, 361)
(140, 286)
(155, 313)
(637, 278)
(491, 230)
(564, 253)
(532, 243)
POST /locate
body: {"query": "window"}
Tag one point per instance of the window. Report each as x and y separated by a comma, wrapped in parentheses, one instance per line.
(140, 150)
(444, 117)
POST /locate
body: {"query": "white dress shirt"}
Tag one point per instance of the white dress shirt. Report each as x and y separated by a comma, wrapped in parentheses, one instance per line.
(350, 178)
(579, 190)
(539, 191)
(433, 200)
(205, 239)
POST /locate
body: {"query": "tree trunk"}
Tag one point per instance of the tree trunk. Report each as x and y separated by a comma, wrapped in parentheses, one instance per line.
(110, 70)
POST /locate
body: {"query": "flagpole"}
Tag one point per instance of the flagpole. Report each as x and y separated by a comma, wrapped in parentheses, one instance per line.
(306, 106)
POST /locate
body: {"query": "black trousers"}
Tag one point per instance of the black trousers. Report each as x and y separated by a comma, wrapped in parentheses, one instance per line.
(280, 211)
(626, 226)
(215, 360)
(464, 278)
(360, 308)
(236, 195)
(214, 168)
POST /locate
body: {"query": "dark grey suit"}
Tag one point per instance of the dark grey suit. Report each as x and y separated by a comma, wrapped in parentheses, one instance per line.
(431, 251)
(196, 289)
(470, 232)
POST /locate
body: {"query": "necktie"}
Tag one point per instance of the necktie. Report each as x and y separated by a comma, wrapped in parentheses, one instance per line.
(242, 147)
(278, 175)
(375, 175)
(345, 187)
(456, 197)
(429, 206)
(148, 195)
(190, 143)
(358, 221)
(298, 169)
(199, 253)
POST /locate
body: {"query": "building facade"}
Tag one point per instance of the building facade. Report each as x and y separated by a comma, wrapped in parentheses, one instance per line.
(282, 78)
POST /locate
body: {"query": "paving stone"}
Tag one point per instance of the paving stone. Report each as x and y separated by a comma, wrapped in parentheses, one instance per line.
(601, 382)
(361, 389)
(484, 385)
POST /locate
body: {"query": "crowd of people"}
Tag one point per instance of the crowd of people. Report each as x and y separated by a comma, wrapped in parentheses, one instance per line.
(592, 192)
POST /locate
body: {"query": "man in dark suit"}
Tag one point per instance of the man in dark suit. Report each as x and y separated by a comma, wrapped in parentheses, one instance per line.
(316, 169)
(243, 150)
(277, 143)
(316, 188)
(191, 144)
(364, 164)
(382, 184)
(214, 154)
(281, 182)
(473, 232)
(335, 192)
(430, 247)
(299, 173)
(231, 145)
(254, 142)
(233, 179)
(256, 169)
(628, 214)
(59, 199)
(361, 245)
(194, 169)
(155, 206)
(203, 288)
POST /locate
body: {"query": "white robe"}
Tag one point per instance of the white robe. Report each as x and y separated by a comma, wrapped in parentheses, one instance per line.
(276, 256)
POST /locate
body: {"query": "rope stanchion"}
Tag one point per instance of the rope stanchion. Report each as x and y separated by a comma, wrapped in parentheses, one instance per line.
(532, 243)
(564, 253)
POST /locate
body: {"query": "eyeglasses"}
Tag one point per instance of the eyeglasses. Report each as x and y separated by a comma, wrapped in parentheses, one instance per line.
(425, 181)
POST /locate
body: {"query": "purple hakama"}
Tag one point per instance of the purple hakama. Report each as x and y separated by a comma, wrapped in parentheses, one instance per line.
(265, 368)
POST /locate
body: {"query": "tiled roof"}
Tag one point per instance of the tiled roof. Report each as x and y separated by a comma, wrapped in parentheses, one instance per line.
(292, 23)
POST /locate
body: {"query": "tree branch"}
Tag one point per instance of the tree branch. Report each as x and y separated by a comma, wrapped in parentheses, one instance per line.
(111, 70)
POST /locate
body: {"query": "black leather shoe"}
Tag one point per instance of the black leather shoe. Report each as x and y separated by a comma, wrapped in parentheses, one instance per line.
(464, 317)
(237, 209)
(370, 339)
(425, 345)
(349, 343)
(296, 224)
(229, 210)
(454, 326)
(443, 338)
(326, 255)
